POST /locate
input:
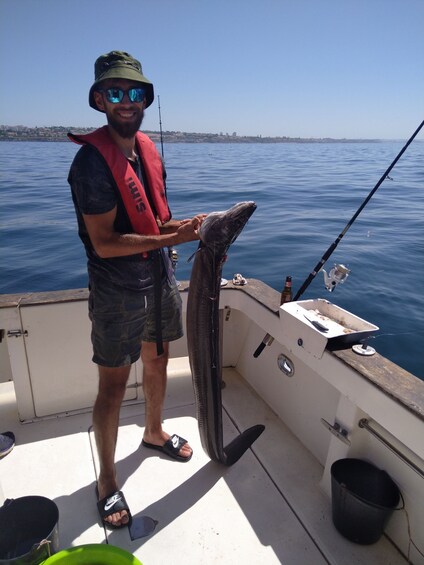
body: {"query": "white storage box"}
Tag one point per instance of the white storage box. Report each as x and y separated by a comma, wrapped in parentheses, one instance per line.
(313, 323)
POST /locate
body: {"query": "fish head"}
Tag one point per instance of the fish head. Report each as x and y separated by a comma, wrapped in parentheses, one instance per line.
(220, 229)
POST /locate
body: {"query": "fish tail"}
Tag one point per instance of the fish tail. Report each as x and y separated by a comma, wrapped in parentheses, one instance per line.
(235, 449)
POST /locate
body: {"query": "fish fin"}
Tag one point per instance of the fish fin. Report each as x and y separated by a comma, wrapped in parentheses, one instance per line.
(236, 448)
(193, 254)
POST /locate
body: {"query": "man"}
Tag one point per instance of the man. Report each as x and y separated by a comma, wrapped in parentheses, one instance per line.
(118, 189)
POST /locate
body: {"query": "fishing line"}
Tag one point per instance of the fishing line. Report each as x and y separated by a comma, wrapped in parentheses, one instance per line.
(333, 246)
(414, 333)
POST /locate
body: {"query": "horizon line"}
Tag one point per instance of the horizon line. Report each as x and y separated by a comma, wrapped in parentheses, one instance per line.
(220, 134)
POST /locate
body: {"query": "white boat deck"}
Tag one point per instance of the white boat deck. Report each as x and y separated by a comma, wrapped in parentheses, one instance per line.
(267, 508)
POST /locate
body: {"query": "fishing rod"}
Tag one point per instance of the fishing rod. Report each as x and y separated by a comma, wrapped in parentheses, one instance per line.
(160, 127)
(333, 246)
(172, 253)
(341, 270)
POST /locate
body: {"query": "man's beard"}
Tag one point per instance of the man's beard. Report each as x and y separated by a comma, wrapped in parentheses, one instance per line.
(126, 130)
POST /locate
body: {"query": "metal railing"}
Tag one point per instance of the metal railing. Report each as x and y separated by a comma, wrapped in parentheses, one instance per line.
(365, 423)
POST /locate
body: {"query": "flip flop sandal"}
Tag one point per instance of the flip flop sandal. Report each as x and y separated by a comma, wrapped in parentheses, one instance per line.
(108, 505)
(7, 443)
(171, 448)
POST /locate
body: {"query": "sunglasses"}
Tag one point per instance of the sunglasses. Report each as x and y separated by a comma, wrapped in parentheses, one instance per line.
(116, 95)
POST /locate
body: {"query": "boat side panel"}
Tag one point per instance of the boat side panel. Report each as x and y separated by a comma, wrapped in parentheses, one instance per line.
(300, 401)
(14, 349)
(52, 371)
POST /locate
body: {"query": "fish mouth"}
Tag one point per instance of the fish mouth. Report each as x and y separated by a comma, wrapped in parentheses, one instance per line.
(220, 229)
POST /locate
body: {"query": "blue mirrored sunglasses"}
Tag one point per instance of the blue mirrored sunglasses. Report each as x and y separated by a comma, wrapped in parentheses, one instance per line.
(116, 95)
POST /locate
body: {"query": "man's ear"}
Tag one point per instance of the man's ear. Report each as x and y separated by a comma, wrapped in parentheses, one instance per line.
(98, 99)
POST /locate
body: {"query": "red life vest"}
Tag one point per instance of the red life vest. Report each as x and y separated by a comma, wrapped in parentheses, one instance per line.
(130, 187)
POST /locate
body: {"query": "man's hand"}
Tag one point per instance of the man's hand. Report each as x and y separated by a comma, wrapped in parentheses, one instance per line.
(188, 229)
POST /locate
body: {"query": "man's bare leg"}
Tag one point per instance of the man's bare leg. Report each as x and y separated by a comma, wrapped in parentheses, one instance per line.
(112, 384)
(154, 387)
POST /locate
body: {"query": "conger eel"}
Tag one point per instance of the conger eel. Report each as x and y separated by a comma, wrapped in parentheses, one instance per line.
(218, 231)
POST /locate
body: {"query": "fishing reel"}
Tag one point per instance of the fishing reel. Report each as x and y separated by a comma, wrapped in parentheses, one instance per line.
(337, 275)
(173, 255)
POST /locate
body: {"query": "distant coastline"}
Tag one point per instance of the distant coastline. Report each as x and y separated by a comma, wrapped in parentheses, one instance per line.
(58, 133)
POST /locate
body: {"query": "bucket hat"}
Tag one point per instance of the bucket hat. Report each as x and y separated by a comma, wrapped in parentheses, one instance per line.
(119, 64)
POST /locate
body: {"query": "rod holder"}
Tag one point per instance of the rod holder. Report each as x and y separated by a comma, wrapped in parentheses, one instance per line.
(337, 431)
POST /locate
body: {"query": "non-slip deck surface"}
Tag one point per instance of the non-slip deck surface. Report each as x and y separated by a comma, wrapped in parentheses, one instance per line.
(267, 508)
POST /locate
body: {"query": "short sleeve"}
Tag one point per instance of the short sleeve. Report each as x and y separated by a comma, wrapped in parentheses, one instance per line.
(91, 182)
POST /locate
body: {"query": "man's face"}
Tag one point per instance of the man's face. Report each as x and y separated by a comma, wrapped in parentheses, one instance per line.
(124, 117)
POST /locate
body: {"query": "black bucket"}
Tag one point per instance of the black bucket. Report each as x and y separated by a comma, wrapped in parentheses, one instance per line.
(363, 499)
(28, 530)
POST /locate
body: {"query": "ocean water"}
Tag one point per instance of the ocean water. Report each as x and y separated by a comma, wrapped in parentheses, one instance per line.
(305, 195)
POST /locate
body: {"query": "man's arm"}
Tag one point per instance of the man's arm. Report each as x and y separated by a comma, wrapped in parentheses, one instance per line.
(108, 243)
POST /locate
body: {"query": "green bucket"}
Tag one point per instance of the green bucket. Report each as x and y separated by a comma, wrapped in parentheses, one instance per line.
(93, 554)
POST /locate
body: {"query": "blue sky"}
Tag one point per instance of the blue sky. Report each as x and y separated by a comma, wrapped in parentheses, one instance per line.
(307, 68)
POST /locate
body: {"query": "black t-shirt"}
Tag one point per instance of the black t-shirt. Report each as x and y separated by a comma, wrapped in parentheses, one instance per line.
(94, 192)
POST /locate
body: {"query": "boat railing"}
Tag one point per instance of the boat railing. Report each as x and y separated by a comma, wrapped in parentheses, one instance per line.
(366, 424)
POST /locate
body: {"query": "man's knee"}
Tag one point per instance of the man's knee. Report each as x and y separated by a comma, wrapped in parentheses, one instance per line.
(113, 379)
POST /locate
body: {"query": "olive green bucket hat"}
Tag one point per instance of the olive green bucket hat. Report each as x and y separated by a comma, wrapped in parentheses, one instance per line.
(118, 64)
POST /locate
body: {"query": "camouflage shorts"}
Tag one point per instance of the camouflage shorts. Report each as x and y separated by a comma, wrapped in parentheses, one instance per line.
(121, 319)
